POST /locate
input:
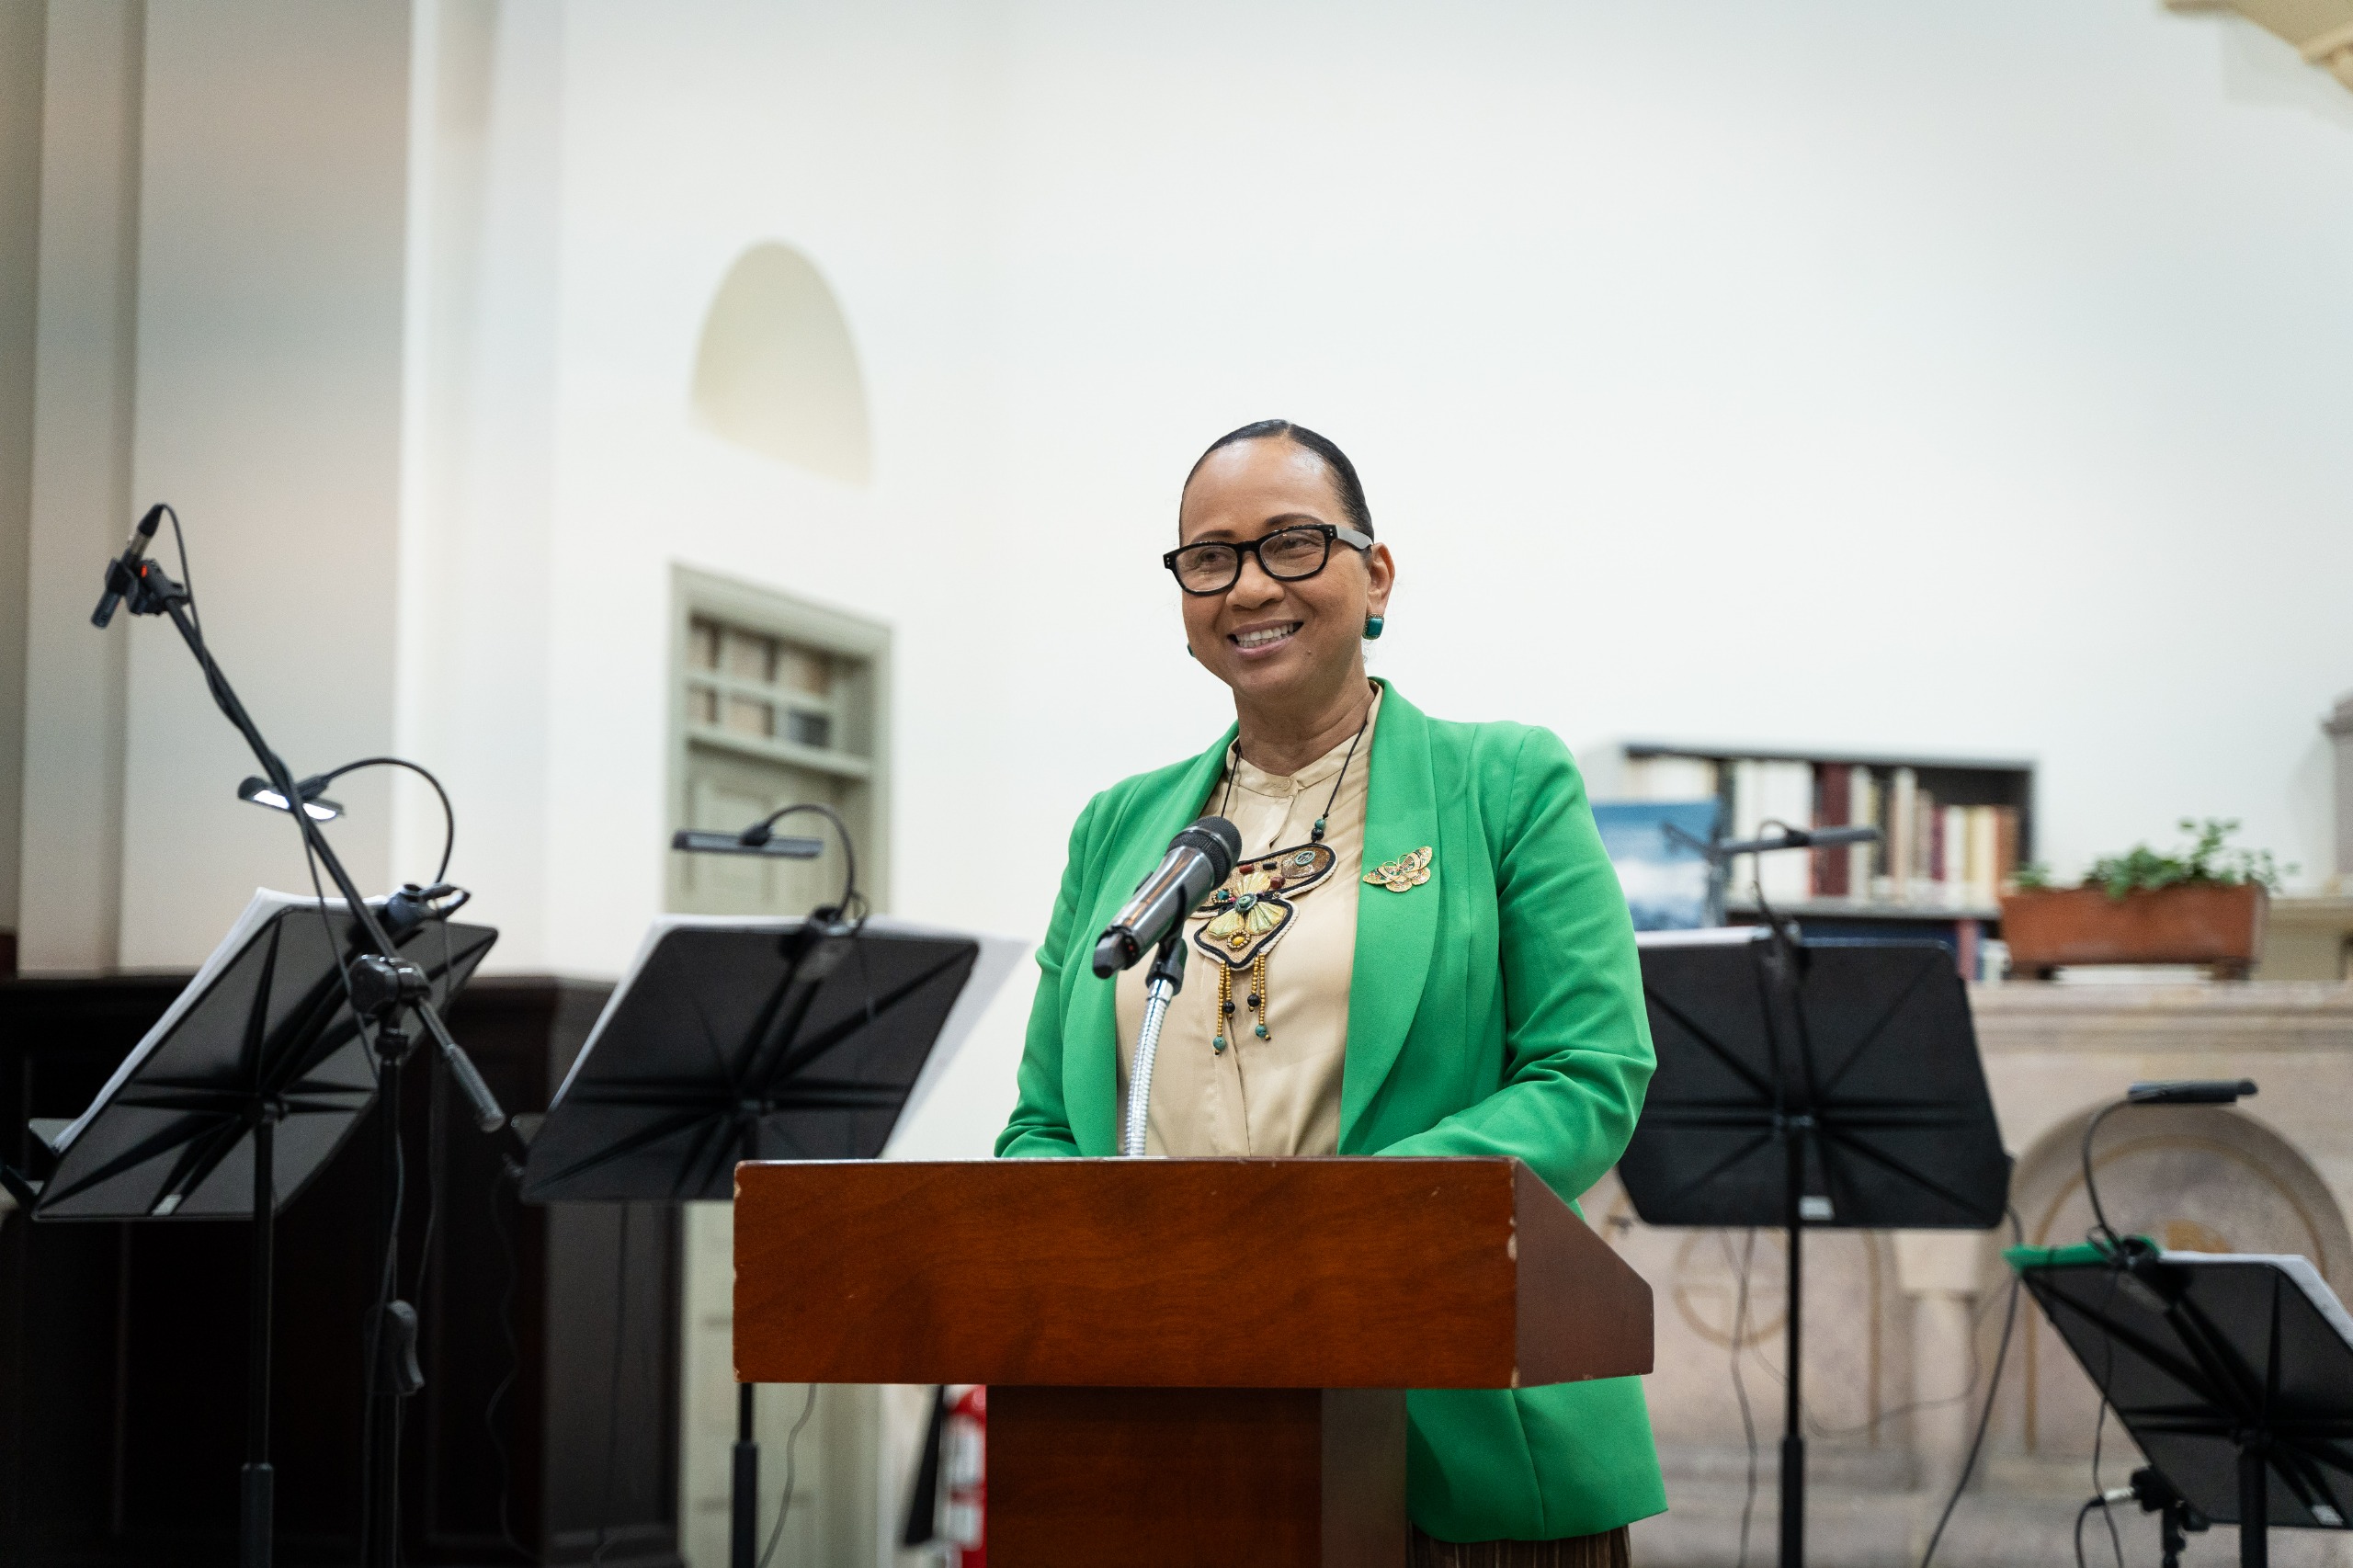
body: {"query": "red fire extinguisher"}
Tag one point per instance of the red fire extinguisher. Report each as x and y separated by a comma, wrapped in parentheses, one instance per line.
(964, 1478)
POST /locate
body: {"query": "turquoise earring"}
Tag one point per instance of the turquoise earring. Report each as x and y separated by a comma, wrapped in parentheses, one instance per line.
(1372, 625)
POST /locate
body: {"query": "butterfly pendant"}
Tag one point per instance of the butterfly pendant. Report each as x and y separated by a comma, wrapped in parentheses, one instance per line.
(1405, 872)
(1250, 913)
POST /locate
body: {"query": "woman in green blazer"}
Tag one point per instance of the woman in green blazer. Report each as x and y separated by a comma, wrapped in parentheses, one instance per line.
(1494, 1006)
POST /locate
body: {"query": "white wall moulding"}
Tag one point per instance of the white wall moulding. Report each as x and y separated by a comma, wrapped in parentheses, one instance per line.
(2322, 31)
(777, 372)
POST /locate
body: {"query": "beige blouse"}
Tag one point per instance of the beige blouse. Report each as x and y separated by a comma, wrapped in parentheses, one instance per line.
(1280, 1094)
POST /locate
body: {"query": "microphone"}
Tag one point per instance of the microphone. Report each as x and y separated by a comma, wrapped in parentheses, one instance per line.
(124, 568)
(1199, 859)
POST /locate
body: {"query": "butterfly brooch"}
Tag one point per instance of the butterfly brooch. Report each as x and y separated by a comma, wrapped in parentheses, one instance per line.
(1405, 872)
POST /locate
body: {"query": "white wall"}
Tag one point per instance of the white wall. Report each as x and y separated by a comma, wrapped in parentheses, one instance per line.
(84, 371)
(1824, 374)
(1963, 380)
(272, 230)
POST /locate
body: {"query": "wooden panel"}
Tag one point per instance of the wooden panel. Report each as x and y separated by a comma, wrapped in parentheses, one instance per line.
(1365, 1524)
(1296, 1273)
(1195, 1478)
(1583, 1313)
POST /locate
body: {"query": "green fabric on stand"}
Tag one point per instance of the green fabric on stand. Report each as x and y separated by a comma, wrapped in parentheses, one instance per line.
(1495, 1010)
(2079, 1253)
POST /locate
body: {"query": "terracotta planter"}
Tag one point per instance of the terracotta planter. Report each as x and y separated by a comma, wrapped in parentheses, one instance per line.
(2191, 924)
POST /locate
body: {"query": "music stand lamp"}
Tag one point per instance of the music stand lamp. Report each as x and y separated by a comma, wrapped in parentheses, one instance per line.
(749, 1039)
(1826, 1083)
(241, 1093)
(2232, 1372)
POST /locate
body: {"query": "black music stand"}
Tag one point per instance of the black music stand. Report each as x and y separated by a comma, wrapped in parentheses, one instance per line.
(1832, 1083)
(238, 1097)
(758, 1040)
(2234, 1372)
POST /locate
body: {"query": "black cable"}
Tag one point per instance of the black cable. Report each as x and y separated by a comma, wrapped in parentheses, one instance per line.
(187, 579)
(336, 944)
(2081, 1514)
(449, 816)
(2091, 1183)
(784, 1504)
(1993, 1388)
(1977, 1316)
(437, 1155)
(509, 1174)
(437, 1133)
(2099, 1426)
(850, 895)
(613, 1404)
(1740, 1390)
(387, 1289)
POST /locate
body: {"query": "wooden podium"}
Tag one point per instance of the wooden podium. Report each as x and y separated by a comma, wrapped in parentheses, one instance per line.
(1188, 1361)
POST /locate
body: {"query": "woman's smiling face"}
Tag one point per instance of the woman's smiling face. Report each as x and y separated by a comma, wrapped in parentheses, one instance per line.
(1274, 642)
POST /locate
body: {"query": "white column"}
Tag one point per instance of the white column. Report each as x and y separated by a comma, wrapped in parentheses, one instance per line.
(1938, 1273)
(479, 458)
(21, 63)
(273, 233)
(84, 354)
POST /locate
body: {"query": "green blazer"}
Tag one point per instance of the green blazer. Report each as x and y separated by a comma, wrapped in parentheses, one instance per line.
(1495, 1009)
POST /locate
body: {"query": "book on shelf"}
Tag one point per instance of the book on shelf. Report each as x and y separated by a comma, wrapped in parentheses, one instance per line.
(1932, 854)
(1767, 797)
(1940, 855)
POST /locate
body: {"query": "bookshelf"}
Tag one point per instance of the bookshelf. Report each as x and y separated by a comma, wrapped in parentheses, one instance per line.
(1956, 829)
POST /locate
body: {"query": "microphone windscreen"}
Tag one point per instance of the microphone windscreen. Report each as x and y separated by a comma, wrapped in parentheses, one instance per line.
(1217, 838)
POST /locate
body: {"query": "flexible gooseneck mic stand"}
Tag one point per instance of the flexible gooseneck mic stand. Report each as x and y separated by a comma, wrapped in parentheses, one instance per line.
(383, 986)
(1160, 990)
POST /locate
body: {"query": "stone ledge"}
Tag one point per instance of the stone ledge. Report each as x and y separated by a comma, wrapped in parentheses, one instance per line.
(2020, 1016)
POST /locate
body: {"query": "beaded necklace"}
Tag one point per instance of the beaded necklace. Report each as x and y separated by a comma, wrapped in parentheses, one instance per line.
(1243, 920)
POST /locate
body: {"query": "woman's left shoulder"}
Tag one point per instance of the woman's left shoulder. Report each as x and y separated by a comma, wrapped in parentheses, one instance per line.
(1499, 751)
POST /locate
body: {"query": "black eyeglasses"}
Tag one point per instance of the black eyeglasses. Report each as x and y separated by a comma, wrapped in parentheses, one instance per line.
(1288, 554)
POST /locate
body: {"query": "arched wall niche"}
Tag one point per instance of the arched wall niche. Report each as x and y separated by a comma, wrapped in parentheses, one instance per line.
(2195, 1178)
(776, 371)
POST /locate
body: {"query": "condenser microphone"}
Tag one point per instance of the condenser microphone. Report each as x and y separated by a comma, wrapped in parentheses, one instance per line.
(124, 567)
(1198, 860)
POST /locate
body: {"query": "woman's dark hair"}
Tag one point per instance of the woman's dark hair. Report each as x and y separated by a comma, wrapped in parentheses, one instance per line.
(1344, 472)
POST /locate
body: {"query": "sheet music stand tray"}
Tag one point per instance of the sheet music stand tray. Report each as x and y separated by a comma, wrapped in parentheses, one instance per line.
(2234, 1372)
(1832, 1083)
(755, 1040)
(238, 1097)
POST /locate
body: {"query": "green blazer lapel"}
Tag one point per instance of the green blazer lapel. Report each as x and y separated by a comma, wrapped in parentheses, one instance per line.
(1395, 931)
(1090, 1018)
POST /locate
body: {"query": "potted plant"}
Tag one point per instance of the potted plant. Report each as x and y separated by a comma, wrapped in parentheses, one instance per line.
(2204, 904)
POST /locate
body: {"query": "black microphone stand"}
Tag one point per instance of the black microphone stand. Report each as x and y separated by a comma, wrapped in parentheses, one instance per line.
(383, 986)
(1797, 1097)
